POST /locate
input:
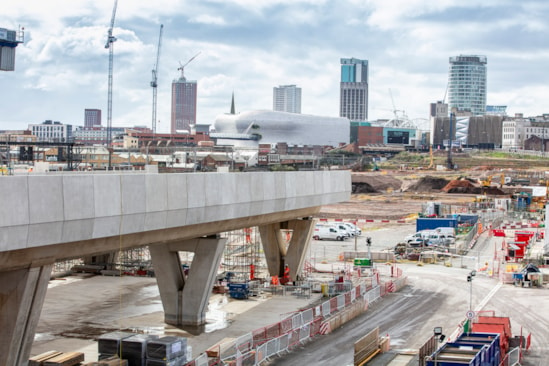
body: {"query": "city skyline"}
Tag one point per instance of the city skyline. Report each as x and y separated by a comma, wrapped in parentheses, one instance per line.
(247, 47)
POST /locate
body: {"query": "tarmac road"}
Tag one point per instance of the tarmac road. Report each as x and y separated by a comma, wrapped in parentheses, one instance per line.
(436, 296)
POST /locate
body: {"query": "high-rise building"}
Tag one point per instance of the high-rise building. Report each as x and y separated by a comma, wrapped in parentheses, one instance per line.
(92, 117)
(467, 84)
(353, 89)
(287, 98)
(184, 95)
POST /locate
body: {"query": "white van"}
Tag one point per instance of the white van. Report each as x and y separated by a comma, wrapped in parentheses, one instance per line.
(446, 230)
(329, 232)
(355, 231)
(424, 234)
(441, 239)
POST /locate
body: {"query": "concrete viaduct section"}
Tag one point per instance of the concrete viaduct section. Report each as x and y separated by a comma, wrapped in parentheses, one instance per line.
(46, 218)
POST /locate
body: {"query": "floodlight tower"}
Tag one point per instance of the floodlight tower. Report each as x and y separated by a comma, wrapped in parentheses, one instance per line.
(109, 45)
(154, 82)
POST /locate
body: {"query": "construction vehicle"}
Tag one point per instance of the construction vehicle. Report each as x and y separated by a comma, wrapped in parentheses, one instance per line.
(486, 182)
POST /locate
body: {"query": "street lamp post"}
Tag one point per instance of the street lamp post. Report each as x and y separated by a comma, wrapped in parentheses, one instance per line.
(470, 280)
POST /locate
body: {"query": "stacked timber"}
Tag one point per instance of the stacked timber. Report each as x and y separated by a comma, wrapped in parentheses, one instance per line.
(65, 359)
(39, 360)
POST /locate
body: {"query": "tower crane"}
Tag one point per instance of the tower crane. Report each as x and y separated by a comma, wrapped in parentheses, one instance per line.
(154, 82)
(109, 45)
(182, 67)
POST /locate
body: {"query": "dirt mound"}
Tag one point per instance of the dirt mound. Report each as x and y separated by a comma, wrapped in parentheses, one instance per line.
(459, 186)
(428, 184)
(362, 188)
(374, 183)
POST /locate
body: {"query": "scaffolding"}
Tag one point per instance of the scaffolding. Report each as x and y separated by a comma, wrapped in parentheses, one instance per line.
(243, 258)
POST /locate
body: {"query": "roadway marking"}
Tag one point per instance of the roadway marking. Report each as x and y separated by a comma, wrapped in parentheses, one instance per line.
(479, 307)
(489, 296)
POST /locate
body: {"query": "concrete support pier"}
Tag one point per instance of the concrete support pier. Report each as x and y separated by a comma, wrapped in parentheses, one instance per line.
(185, 298)
(22, 294)
(278, 254)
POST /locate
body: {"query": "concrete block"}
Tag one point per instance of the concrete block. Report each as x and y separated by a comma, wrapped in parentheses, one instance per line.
(45, 234)
(176, 218)
(261, 185)
(106, 226)
(133, 194)
(155, 220)
(106, 193)
(177, 191)
(291, 182)
(77, 230)
(319, 182)
(157, 193)
(13, 237)
(46, 199)
(196, 183)
(78, 197)
(215, 185)
(132, 223)
(243, 193)
(15, 196)
(229, 190)
(195, 215)
(280, 186)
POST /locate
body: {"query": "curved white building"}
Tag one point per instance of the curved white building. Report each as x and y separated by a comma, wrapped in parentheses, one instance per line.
(264, 126)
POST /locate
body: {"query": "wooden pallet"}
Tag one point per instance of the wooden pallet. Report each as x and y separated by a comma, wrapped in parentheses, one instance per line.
(38, 360)
(65, 359)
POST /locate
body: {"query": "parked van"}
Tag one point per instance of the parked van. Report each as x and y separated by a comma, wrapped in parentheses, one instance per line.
(345, 229)
(446, 230)
(329, 232)
(441, 239)
(353, 228)
(424, 234)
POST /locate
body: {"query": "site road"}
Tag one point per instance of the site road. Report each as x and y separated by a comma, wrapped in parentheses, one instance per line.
(437, 296)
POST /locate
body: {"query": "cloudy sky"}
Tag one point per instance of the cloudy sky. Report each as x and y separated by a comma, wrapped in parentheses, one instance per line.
(250, 46)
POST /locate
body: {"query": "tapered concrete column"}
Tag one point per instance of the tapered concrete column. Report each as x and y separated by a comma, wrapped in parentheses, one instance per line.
(185, 298)
(299, 244)
(278, 253)
(22, 294)
(274, 247)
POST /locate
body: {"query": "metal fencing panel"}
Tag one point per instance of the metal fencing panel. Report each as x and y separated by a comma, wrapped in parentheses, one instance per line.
(304, 333)
(260, 354)
(271, 347)
(201, 360)
(284, 343)
(326, 309)
(307, 316)
(340, 302)
(285, 326)
(297, 321)
(244, 343)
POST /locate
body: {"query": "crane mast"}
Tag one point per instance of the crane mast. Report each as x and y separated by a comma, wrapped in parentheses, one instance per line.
(154, 82)
(110, 40)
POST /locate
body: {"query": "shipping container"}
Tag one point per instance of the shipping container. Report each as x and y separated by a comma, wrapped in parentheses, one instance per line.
(424, 223)
(473, 349)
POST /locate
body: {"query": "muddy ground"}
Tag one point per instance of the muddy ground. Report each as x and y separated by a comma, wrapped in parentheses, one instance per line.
(397, 195)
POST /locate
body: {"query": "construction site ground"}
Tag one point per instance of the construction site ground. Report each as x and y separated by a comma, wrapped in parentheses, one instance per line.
(81, 307)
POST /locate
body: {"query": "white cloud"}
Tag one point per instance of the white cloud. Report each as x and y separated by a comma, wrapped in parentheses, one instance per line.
(250, 46)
